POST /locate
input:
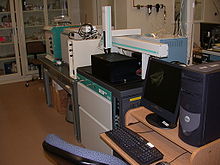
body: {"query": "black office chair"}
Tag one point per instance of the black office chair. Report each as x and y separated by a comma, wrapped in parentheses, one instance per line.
(78, 155)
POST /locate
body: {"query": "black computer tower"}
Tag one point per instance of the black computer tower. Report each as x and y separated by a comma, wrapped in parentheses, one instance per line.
(199, 121)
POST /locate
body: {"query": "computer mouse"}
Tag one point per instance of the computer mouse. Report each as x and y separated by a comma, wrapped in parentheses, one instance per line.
(163, 163)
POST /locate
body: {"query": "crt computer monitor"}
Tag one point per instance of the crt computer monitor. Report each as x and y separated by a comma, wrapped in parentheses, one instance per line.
(161, 93)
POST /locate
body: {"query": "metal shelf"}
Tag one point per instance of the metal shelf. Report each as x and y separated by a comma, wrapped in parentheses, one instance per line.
(5, 12)
(6, 43)
(5, 28)
(55, 10)
(31, 11)
(7, 58)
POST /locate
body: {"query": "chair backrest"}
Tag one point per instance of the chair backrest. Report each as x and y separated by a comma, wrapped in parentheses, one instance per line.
(78, 155)
(36, 47)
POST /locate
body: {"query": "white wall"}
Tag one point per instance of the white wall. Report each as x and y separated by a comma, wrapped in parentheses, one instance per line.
(88, 11)
(129, 17)
(91, 12)
(74, 11)
(210, 8)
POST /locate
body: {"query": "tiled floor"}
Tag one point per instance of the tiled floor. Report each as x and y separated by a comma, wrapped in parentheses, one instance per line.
(25, 120)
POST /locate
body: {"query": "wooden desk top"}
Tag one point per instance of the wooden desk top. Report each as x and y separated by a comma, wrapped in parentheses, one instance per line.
(169, 149)
(167, 141)
(171, 134)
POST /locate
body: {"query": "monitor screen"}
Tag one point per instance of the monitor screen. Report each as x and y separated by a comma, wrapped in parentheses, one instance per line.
(161, 92)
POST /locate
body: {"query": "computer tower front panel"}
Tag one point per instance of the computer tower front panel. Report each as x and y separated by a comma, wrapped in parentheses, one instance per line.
(191, 108)
(199, 104)
(122, 105)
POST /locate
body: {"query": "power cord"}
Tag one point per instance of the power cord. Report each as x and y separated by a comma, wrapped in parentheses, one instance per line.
(86, 31)
(176, 24)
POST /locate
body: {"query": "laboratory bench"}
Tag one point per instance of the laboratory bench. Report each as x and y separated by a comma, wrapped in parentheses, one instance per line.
(60, 74)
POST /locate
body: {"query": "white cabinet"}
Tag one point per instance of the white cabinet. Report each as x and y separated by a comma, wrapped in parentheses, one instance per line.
(22, 36)
(95, 113)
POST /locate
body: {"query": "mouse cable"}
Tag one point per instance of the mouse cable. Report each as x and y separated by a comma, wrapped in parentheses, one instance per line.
(178, 157)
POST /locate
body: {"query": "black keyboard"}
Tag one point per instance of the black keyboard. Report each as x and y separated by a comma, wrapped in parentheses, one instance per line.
(135, 146)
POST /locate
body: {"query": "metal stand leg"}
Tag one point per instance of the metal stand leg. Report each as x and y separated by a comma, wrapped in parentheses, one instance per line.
(47, 87)
(74, 99)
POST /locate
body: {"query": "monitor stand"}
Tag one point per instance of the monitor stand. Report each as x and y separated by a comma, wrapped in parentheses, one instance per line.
(159, 122)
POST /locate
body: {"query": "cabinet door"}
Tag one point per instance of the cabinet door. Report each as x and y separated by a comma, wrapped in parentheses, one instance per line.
(30, 20)
(95, 113)
(9, 57)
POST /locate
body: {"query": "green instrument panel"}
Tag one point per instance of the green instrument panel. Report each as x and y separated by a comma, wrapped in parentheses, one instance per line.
(95, 87)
